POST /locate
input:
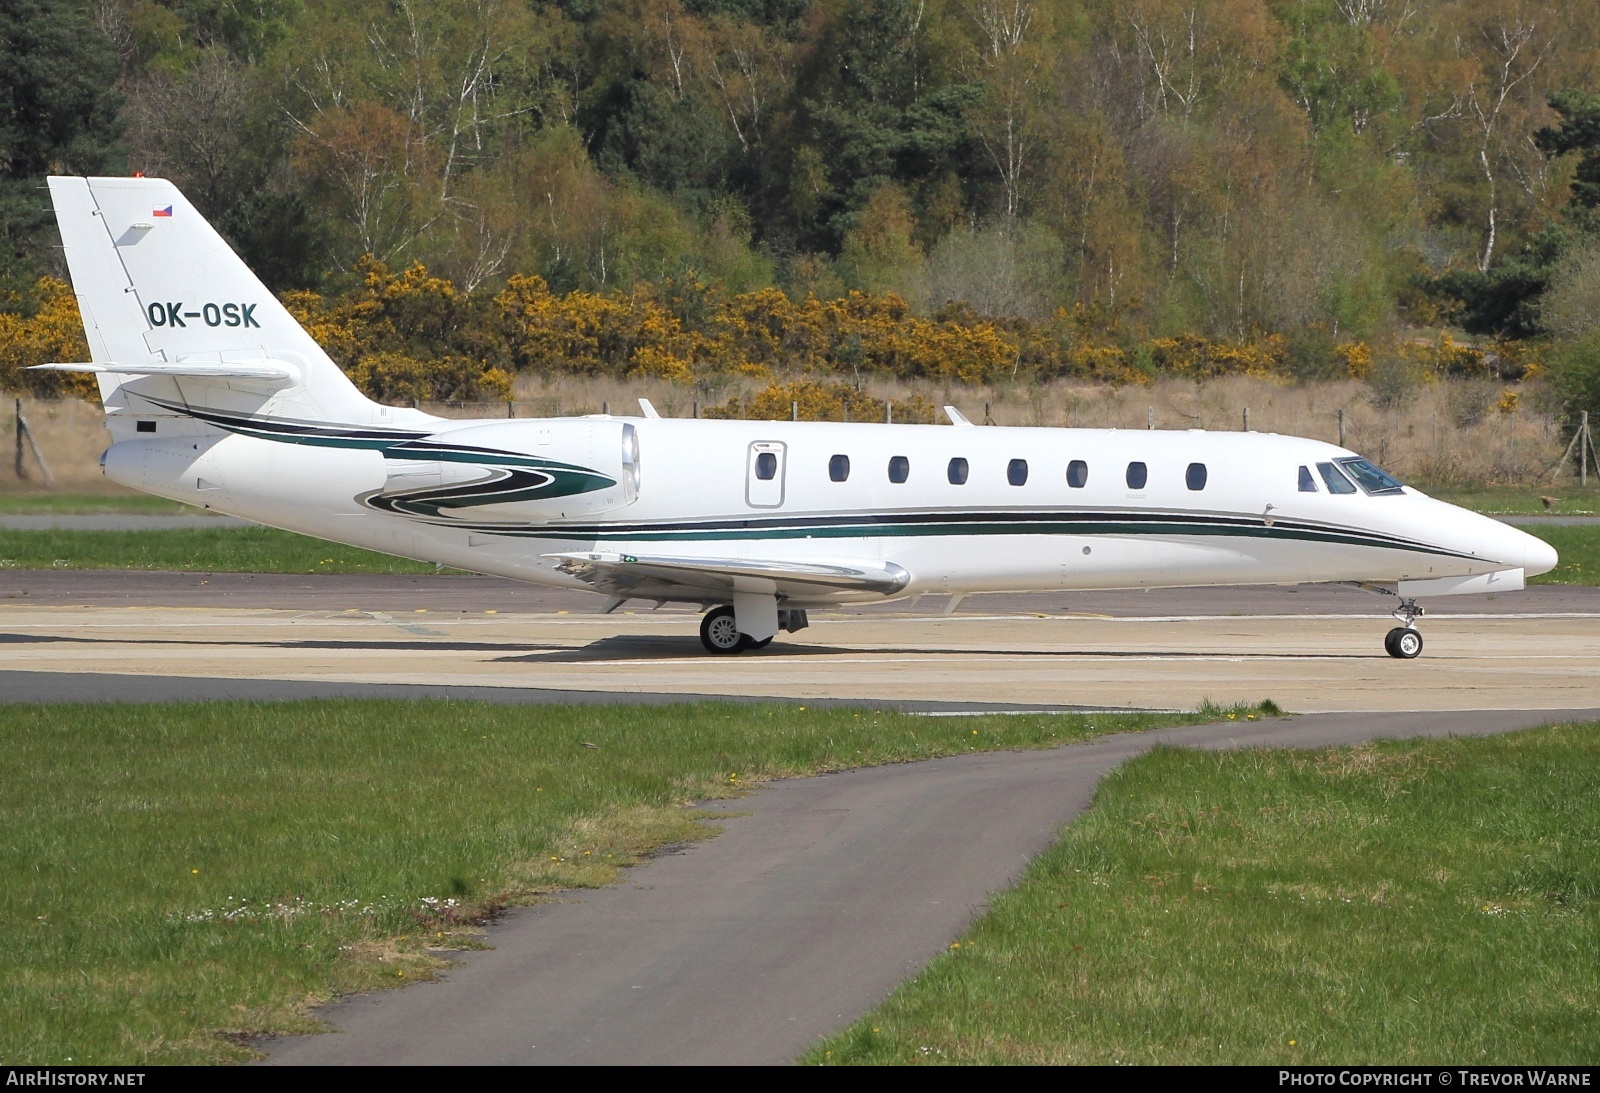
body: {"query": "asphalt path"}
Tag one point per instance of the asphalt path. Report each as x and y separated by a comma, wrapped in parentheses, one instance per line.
(808, 908)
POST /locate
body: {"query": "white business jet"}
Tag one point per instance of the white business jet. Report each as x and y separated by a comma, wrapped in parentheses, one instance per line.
(215, 396)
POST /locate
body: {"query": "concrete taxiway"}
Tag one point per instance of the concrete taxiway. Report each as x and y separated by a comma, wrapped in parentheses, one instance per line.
(1310, 649)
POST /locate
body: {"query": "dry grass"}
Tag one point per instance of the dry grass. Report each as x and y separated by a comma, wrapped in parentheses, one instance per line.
(1444, 433)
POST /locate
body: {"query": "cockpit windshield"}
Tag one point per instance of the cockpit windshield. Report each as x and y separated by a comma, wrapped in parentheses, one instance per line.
(1370, 477)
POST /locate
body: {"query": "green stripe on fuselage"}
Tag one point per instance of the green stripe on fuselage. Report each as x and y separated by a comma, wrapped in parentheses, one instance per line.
(926, 530)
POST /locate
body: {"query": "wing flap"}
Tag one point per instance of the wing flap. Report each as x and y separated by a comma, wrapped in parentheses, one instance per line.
(621, 574)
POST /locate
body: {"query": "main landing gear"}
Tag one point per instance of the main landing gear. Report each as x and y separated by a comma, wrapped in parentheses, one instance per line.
(720, 634)
(1404, 642)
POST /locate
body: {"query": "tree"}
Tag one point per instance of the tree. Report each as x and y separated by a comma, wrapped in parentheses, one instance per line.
(879, 253)
(878, 101)
(57, 115)
(1579, 132)
(1010, 56)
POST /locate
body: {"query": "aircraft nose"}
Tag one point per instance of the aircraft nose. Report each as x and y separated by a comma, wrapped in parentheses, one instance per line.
(1538, 556)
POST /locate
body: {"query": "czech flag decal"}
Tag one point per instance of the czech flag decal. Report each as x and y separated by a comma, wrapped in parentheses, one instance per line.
(163, 211)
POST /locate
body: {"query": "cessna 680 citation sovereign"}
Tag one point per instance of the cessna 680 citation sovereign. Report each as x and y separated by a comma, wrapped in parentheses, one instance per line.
(215, 396)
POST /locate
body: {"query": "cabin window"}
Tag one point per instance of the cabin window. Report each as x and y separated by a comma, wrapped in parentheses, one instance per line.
(957, 471)
(1017, 472)
(1369, 477)
(1195, 476)
(767, 466)
(899, 468)
(1337, 483)
(1077, 474)
(1138, 475)
(839, 468)
(1307, 483)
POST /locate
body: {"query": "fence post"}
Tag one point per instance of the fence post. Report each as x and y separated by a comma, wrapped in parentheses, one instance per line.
(1150, 418)
(988, 418)
(1584, 444)
(605, 408)
(1247, 419)
(511, 408)
(22, 471)
(888, 411)
(694, 409)
(794, 410)
(1341, 429)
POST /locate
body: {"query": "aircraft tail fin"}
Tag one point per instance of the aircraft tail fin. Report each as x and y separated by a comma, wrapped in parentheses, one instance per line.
(172, 313)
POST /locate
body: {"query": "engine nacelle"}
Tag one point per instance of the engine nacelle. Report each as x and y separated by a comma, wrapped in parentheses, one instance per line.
(528, 471)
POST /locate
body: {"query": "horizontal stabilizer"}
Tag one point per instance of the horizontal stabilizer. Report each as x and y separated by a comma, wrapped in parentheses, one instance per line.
(621, 574)
(263, 370)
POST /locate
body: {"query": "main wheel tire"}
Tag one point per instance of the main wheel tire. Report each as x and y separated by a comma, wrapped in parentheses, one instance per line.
(1403, 643)
(719, 632)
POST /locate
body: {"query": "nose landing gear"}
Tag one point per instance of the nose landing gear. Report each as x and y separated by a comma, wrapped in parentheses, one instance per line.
(1404, 642)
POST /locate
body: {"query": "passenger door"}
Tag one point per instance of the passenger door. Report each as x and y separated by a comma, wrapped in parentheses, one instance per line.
(763, 480)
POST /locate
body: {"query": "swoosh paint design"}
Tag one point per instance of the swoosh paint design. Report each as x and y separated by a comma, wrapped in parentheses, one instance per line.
(512, 477)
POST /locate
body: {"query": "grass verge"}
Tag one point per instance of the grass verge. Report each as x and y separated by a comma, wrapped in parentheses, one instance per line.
(1579, 548)
(207, 550)
(1416, 902)
(42, 502)
(180, 874)
(1570, 499)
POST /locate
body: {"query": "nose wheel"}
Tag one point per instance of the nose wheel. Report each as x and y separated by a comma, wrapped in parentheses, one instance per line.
(1403, 642)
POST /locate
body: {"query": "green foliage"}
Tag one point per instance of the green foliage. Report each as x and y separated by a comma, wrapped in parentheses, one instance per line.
(1335, 72)
(1575, 372)
(1579, 132)
(58, 113)
(1229, 171)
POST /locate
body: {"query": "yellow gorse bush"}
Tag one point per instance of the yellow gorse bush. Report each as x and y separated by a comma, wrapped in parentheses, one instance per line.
(411, 336)
(53, 334)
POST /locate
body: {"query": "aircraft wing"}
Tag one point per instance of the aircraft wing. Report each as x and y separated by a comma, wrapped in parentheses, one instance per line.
(659, 576)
